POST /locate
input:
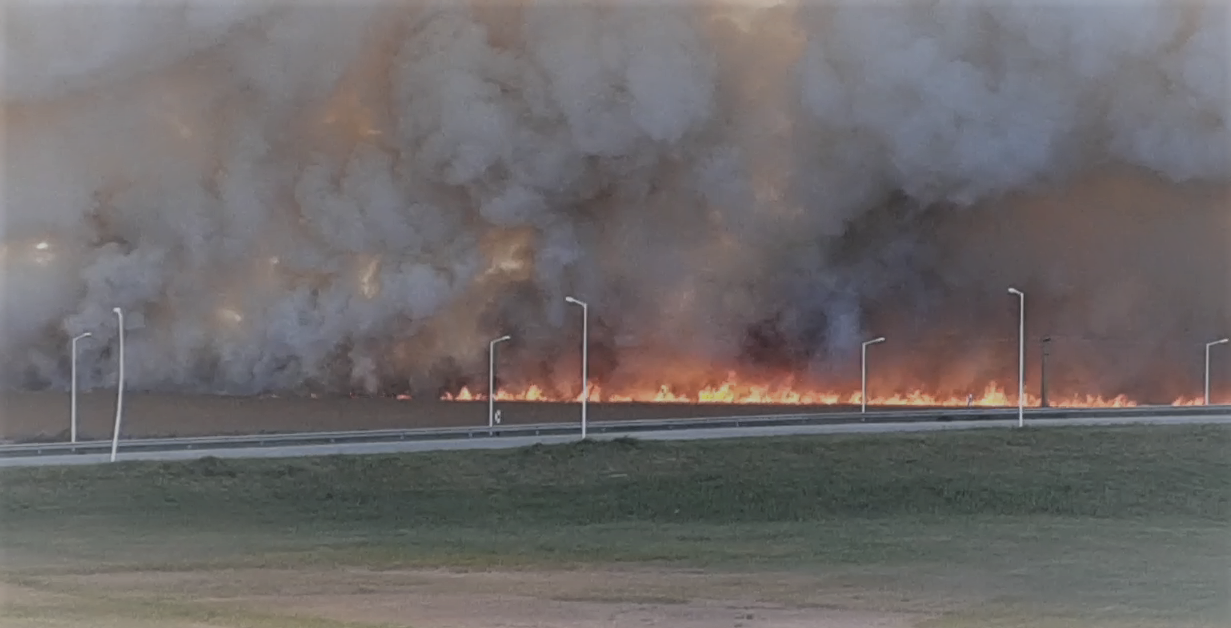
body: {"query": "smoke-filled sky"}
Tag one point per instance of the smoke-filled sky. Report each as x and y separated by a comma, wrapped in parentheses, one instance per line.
(358, 197)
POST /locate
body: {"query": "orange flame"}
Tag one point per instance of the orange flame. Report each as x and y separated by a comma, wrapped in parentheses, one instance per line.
(733, 392)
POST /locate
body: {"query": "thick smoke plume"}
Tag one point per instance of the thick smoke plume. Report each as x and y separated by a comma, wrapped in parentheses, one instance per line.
(357, 197)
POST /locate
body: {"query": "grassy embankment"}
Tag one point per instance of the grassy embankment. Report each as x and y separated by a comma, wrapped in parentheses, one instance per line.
(1067, 522)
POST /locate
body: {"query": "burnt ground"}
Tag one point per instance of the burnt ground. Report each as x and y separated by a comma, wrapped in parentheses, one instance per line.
(45, 415)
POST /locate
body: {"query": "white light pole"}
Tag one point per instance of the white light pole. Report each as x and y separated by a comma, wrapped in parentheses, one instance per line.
(72, 430)
(119, 389)
(863, 367)
(1208, 346)
(491, 380)
(585, 359)
(1021, 358)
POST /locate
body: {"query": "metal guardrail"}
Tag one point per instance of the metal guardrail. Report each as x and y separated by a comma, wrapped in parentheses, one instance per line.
(602, 427)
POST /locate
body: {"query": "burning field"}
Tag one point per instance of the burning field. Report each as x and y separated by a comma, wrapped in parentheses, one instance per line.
(733, 392)
(353, 199)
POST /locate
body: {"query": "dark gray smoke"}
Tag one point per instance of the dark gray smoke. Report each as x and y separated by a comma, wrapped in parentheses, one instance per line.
(357, 197)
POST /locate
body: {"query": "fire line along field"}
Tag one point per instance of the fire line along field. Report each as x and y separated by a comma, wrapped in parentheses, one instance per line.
(259, 217)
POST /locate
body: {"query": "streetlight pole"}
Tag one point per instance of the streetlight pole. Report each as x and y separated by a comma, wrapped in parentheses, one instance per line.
(72, 430)
(119, 389)
(1043, 344)
(585, 359)
(1021, 358)
(863, 368)
(491, 380)
(1208, 346)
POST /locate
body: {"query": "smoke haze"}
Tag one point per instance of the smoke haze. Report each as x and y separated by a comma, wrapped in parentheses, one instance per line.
(357, 197)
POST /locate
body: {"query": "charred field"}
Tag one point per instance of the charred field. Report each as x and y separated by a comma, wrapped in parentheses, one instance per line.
(45, 415)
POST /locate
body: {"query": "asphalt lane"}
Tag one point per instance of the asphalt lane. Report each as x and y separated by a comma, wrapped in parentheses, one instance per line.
(296, 451)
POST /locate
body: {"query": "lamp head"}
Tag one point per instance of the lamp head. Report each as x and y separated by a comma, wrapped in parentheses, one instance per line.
(85, 335)
(574, 301)
(1221, 342)
(117, 310)
(876, 340)
(1016, 291)
(501, 339)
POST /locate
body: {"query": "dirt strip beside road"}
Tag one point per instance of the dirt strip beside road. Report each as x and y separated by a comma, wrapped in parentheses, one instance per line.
(45, 415)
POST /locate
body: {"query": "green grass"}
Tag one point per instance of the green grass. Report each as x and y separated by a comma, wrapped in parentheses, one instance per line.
(1130, 520)
(1109, 473)
(101, 611)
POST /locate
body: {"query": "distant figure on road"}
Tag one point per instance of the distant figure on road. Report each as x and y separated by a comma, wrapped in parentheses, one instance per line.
(970, 399)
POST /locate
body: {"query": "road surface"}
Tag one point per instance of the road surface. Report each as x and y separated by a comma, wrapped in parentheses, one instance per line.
(292, 451)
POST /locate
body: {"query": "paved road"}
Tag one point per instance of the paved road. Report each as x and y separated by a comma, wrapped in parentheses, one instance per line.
(293, 451)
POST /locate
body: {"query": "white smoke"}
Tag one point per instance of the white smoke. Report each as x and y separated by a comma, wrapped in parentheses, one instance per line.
(359, 196)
